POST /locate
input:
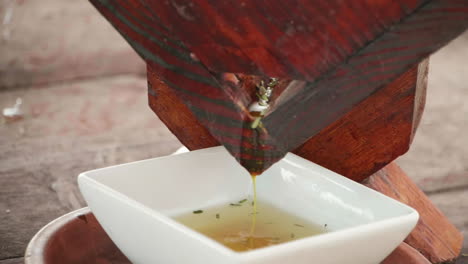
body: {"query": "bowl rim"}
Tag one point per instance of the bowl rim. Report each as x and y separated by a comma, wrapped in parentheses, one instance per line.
(411, 216)
(39, 241)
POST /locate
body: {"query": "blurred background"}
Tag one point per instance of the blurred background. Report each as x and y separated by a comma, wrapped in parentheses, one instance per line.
(73, 98)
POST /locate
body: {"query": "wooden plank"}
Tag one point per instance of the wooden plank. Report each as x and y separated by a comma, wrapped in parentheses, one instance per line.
(301, 40)
(12, 261)
(454, 204)
(434, 236)
(372, 134)
(66, 152)
(405, 254)
(420, 95)
(176, 115)
(364, 140)
(67, 129)
(336, 93)
(55, 40)
(408, 34)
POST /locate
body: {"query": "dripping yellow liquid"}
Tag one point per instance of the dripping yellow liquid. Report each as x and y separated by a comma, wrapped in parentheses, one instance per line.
(254, 211)
(239, 228)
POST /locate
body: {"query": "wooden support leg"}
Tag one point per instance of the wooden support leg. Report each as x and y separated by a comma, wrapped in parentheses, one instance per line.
(405, 254)
(434, 236)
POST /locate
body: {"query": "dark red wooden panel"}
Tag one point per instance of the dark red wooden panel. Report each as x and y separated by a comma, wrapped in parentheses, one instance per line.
(372, 134)
(297, 39)
(218, 104)
(375, 65)
(343, 50)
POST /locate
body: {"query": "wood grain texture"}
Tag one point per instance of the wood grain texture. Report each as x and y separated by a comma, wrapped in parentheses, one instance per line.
(18, 260)
(298, 39)
(372, 134)
(405, 254)
(220, 107)
(454, 204)
(370, 52)
(385, 58)
(176, 115)
(420, 95)
(67, 129)
(434, 236)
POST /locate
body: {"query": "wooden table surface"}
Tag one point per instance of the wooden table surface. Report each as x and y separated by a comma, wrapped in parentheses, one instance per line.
(79, 125)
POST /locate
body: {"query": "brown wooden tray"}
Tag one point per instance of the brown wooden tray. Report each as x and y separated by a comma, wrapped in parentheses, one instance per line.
(77, 238)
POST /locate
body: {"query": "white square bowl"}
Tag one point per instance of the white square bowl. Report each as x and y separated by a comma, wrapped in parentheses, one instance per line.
(134, 203)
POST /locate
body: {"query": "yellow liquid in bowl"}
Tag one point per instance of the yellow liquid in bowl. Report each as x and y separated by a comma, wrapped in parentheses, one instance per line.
(233, 225)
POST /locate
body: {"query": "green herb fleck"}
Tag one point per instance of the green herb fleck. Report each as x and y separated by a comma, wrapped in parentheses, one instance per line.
(292, 235)
(243, 201)
(298, 225)
(234, 204)
(256, 123)
(198, 211)
(326, 225)
(217, 216)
